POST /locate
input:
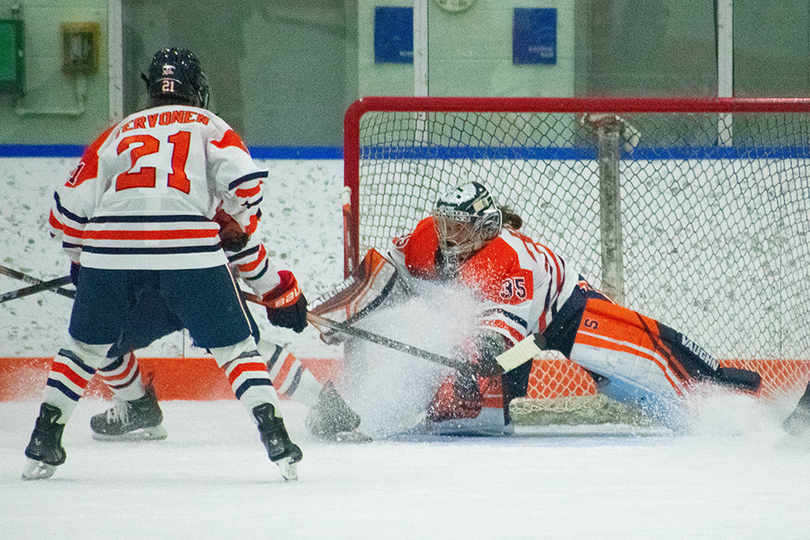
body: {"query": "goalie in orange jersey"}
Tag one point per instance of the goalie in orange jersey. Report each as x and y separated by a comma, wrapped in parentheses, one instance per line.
(525, 288)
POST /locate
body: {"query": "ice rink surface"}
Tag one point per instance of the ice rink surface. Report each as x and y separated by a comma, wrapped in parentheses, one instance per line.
(212, 480)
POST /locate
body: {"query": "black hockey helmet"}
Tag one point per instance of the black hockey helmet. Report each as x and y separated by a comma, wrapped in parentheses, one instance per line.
(176, 76)
(466, 219)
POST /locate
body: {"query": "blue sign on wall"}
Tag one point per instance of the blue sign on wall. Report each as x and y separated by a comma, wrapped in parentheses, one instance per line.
(393, 35)
(534, 36)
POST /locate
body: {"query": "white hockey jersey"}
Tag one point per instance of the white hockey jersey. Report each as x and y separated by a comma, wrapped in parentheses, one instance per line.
(143, 196)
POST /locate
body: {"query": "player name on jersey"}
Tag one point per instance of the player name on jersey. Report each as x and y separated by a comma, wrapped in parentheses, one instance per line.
(166, 118)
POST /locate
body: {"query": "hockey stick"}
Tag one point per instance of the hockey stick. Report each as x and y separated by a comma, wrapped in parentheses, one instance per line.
(521, 353)
(39, 285)
(344, 328)
(33, 289)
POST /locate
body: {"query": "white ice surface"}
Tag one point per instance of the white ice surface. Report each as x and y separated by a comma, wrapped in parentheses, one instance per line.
(211, 480)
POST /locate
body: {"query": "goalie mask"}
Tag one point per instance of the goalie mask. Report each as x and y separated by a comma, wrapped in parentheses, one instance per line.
(176, 76)
(466, 219)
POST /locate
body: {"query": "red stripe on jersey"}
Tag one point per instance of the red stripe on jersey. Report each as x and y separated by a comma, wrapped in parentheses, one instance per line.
(55, 223)
(254, 223)
(245, 193)
(230, 139)
(75, 378)
(247, 267)
(284, 371)
(150, 235)
(244, 367)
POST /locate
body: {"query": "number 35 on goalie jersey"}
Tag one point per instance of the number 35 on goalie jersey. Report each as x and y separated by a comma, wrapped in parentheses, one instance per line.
(145, 191)
(521, 282)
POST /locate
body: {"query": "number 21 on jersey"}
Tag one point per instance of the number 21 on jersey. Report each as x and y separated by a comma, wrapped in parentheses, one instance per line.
(146, 177)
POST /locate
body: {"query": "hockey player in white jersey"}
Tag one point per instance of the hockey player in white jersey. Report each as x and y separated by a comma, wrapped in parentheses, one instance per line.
(136, 414)
(138, 213)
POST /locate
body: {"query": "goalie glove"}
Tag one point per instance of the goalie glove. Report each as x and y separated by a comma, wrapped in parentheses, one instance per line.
(231, 236)
(286, 305)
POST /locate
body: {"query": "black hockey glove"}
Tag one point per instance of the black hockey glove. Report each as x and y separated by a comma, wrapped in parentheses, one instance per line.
(286, 305)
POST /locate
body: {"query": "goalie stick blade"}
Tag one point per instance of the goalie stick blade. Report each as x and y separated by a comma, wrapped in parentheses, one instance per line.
(528, 348)
(353, 436)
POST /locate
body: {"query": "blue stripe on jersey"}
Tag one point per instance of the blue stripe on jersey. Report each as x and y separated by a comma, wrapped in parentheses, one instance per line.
(247, 178)
(149, 219)
(64, 389)
(252, 204)
(242, 254)
(508, 315)
(248, 384)
(65, 212)
(151, 251)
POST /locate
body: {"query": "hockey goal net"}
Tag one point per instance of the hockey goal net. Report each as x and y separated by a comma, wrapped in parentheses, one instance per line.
(695, 212)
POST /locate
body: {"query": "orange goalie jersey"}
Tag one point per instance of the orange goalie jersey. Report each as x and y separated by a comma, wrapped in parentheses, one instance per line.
(522, 283)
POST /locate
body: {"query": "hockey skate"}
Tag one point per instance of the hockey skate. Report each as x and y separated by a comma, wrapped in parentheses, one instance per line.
(798, 423)
(136, 420)
(280, 449)
(44, 452)
(332, 418)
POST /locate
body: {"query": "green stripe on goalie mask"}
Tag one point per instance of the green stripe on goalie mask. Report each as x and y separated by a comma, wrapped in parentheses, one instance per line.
(466, 219)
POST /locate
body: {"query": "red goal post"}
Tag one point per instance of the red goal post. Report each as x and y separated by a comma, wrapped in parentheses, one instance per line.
(693, 211)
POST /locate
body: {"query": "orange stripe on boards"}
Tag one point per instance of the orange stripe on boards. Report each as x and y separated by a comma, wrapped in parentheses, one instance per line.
(186, 379)
(200, 379)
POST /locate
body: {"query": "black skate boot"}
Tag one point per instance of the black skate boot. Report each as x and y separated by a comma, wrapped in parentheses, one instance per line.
(798, 423)
(280, 449)
(332, 418)
(44, 451)
(136, 420)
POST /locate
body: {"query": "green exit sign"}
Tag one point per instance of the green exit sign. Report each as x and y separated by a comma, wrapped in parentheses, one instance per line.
(12, 56)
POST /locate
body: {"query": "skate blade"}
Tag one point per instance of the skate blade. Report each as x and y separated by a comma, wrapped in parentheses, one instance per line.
(288, 468)
(37, 470)
(353, 436)
(155, 433)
